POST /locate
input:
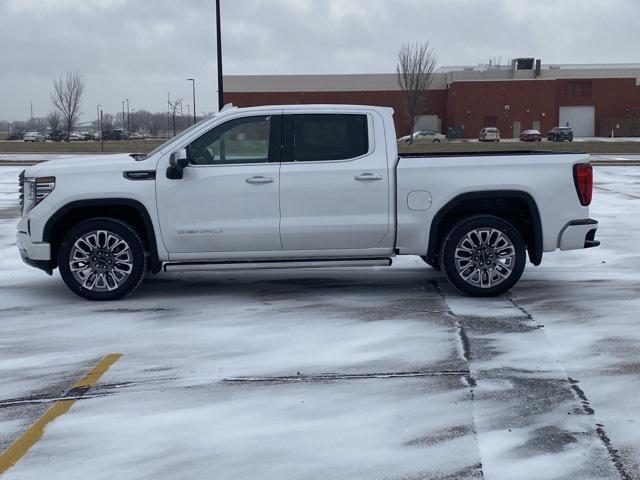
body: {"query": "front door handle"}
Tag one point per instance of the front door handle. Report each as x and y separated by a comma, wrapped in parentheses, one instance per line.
(368, 177)
(260, 180)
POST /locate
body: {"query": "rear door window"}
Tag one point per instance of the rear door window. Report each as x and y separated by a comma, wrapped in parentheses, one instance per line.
(329, 137)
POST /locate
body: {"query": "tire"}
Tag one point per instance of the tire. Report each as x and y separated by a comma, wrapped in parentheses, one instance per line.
(483, 282)
(108, 256)
(436, 140)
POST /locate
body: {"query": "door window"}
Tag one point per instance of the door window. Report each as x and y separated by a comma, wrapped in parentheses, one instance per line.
(240, 141)
(330, 137)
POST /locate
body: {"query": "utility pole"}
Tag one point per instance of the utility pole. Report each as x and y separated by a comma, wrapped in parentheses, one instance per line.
(219, 38)
(193, 82)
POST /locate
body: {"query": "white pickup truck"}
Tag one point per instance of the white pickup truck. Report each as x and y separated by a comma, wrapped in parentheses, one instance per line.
(300, 187)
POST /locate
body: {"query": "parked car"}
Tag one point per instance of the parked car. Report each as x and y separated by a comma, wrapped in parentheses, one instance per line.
(75, 137)
(337, 194)
(117, 134)
(56, 136)
(560, 134)
(424, 136)
(531, 136)
(15, 136)
(489, 134)
(35, 137)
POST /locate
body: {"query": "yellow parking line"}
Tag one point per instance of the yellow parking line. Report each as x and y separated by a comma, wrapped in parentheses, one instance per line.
(28, 439)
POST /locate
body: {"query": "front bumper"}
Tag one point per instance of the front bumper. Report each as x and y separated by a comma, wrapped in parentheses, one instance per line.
(35, 254)
(579, 234)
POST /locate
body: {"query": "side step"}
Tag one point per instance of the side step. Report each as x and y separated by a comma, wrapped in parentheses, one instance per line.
(276, 265)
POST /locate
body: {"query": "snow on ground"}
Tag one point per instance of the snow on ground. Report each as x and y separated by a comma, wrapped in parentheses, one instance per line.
(32, 157)
(355, 373)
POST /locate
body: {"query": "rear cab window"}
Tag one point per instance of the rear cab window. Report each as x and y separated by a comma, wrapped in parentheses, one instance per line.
(329, 137)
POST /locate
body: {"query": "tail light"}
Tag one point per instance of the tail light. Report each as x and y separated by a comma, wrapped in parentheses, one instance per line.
(583, 177)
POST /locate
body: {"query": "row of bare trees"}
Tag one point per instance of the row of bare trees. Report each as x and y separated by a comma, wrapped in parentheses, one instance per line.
(416, 67)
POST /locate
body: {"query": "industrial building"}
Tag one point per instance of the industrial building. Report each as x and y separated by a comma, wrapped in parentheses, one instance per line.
(595, 100)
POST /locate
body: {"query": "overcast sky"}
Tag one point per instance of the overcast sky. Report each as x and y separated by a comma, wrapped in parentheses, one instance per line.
(142, 49)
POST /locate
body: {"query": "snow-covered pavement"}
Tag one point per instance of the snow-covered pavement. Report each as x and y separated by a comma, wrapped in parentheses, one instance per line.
(359, 374)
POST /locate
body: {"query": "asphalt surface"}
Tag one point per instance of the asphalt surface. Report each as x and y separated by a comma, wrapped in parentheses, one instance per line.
(382, 373)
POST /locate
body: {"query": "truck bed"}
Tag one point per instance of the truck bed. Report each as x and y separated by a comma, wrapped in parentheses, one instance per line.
(483, 153)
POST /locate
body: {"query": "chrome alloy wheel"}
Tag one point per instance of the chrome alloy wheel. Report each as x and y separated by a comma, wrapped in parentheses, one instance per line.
(101, 261)
(485, 257)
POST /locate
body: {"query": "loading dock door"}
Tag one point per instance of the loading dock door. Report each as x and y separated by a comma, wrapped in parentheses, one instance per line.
(581, 119)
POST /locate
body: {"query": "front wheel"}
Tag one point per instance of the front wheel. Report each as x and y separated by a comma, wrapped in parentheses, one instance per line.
(102, 259)
(483, 256)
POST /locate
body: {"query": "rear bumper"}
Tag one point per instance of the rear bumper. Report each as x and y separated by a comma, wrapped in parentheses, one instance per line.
(35, 254)
(579, 234)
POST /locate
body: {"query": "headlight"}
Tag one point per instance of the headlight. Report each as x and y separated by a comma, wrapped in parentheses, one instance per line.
(36, 190)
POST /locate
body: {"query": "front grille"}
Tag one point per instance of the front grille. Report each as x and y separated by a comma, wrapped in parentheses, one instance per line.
(21, 190)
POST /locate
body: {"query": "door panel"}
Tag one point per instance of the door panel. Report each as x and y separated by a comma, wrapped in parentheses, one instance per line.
(580, 119)
(228, 198)
(335, 205)
(517, 129)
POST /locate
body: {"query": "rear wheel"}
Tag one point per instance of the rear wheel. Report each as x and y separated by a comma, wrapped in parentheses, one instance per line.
(483, 256)
(102, 259)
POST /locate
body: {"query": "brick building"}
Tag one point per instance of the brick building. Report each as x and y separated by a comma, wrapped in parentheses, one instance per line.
(592, 99)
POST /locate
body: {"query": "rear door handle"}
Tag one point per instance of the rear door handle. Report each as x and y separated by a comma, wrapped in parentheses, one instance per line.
(260, 180)
(368, 177)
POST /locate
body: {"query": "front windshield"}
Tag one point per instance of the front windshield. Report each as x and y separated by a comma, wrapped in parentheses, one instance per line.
(184, 133)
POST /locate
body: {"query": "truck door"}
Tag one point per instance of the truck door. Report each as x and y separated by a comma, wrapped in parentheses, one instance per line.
(228, 198)
(334, 182)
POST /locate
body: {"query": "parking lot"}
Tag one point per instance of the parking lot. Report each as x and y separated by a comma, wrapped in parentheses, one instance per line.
(354, 373)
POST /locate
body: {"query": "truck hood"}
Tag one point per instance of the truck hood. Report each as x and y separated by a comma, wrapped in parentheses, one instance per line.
(86, 163)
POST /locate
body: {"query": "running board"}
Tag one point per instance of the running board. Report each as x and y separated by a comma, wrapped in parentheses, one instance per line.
(276, 265)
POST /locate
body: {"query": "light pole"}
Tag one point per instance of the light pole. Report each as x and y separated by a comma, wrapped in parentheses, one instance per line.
(99, 122)
(124, 125)
(219, 39)
(193, 84)
(128, 117)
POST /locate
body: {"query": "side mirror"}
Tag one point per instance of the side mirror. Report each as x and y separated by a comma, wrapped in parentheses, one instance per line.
(177, 163)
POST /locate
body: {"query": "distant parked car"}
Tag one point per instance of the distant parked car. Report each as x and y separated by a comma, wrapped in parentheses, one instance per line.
(56, 136)
(118, 134)
(16, 136)
(424, 136)
(34, 137)
(531, 136)
(560, 134)
(489, 134)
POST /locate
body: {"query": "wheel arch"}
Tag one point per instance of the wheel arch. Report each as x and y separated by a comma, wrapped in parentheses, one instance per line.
(128, 210)
(515, 206)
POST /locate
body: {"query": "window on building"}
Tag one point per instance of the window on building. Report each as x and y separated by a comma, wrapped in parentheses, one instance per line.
(577, 88)
(325, 137)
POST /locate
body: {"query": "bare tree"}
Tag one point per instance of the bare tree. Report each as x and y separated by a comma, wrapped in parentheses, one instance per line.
(173, 111)
(67, 98)
(53, 120)
(416, 65)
